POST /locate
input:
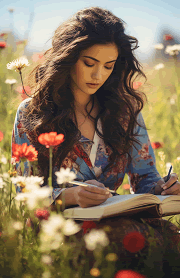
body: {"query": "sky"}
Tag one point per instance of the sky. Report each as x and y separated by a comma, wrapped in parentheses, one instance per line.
(144, 19)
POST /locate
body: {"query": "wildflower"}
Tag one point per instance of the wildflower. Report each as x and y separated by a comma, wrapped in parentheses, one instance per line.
(11, 81)
(24, 152)
(128, 273)
(173, 49)
(42, 214)
(95, 237)
(95, 272)
(65, 176)
(167, 37)
(1, 183)
(37, 56)
(159, 66)
(21, 90)
(126, 186)
(13, 160)
(159, 46)
(3, 35)
(88, 225)
(18, 64)
(157, 145)
(136, 85)
(17, 225)
(133, 242)
(3, 159)
(70, 228)
(1, 136)
(59, 202)
(54, 223)
(46, 259)
(46, 274)
(51, 139)
(112, 257)
(2, 44)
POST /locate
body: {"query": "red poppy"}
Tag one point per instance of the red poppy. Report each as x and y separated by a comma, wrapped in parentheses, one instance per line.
(3, 44)
(37, 56)
(133, 242)
(24, 152)
(128, 273)
(42, 214)
(136, 85)
(157, 145)
(88, 225)
(51, 139)
(21, 90)
(167, 37)
(126, 186)
(1, 136)
(3, 34)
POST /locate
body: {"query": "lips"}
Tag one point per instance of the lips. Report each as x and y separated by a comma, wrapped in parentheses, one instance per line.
(92, 84)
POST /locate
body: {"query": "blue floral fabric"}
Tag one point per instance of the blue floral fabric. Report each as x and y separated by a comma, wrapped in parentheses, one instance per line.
(142, 171)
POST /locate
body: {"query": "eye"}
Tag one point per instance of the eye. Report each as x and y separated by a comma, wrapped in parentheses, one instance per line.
(93, 65)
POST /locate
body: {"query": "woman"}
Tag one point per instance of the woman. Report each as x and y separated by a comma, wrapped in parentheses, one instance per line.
(105, 135)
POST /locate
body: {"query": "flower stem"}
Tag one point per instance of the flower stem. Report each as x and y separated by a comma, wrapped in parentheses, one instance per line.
(23, 84)
(10, 196)
(50, 168)
(29, 164)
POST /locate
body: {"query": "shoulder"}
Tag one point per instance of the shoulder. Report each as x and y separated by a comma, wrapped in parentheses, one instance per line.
(22, 106)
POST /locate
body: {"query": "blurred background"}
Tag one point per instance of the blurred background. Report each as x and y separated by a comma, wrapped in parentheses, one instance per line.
(36, 21)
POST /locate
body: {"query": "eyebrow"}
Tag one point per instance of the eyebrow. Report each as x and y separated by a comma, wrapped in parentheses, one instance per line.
(98, 60)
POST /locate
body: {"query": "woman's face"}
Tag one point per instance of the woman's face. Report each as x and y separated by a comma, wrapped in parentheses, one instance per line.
(96, 68)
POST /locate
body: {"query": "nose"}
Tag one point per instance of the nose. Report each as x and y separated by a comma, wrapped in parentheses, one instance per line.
(97, 74)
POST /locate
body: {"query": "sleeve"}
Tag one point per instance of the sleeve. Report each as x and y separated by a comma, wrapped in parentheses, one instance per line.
(142, 172)
(20, 137)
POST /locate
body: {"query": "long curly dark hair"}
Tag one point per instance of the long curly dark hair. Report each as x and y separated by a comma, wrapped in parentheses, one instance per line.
(52, 105)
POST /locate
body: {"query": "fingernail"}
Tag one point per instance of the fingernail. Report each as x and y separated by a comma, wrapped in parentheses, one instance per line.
(165, 187)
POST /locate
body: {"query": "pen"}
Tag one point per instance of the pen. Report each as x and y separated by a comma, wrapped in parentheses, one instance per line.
(86, 184)
(168, 176)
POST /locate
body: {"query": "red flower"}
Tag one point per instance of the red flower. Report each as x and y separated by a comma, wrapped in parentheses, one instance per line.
(42, 214)
(2, 44)
(1, 136)
(167, 37)
(51, 139)
(128, 274)
(24, 152)
(133, 242)
(157, 145)
(136, 85)
(126, 186)
(21, 90)
(3, 34)
(88, 225)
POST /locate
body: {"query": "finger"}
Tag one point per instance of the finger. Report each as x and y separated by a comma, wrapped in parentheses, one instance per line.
(96, 189)
(93, 196)
(173, 179)
(95, 182)
(173, 190)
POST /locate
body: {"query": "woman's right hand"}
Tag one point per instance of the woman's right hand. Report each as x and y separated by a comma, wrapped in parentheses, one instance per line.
(90, 195)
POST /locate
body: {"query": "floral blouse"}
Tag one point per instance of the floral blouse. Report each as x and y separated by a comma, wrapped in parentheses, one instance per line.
(91, 157)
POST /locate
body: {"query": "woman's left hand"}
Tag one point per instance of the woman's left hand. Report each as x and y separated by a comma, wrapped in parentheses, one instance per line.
(171, 187)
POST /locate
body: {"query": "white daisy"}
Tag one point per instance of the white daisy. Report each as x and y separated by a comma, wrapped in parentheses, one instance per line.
(18, 64)
(3, 159)
(53, 224)
(159, 66)
(159, 46)
(94, 237)
(46, 259)
(1, 183)
(65, 175)
(11, 81)
(17, 225)
(70, 228)
(173, 49)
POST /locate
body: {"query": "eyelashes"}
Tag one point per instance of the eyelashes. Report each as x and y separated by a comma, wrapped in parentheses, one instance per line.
(93, 65)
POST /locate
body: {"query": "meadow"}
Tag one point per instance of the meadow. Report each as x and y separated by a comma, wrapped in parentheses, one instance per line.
(55, 251)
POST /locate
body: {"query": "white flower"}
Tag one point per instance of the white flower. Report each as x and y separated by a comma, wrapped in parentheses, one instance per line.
(159, 46)
(70, 228)
(11, 81)
(37, 195)
(3, 159)
(18, 64)
(173, 49)
(6, 175)
(178, 158)
(46, 274)
(17, 225)
(53, 224)
(46, 259)
(13, 160)
(21, 197)
(50, 242)
(65, 175)
(94, 237)
(1, 183)
(31, 183)
(159, 66)
(172, 101)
